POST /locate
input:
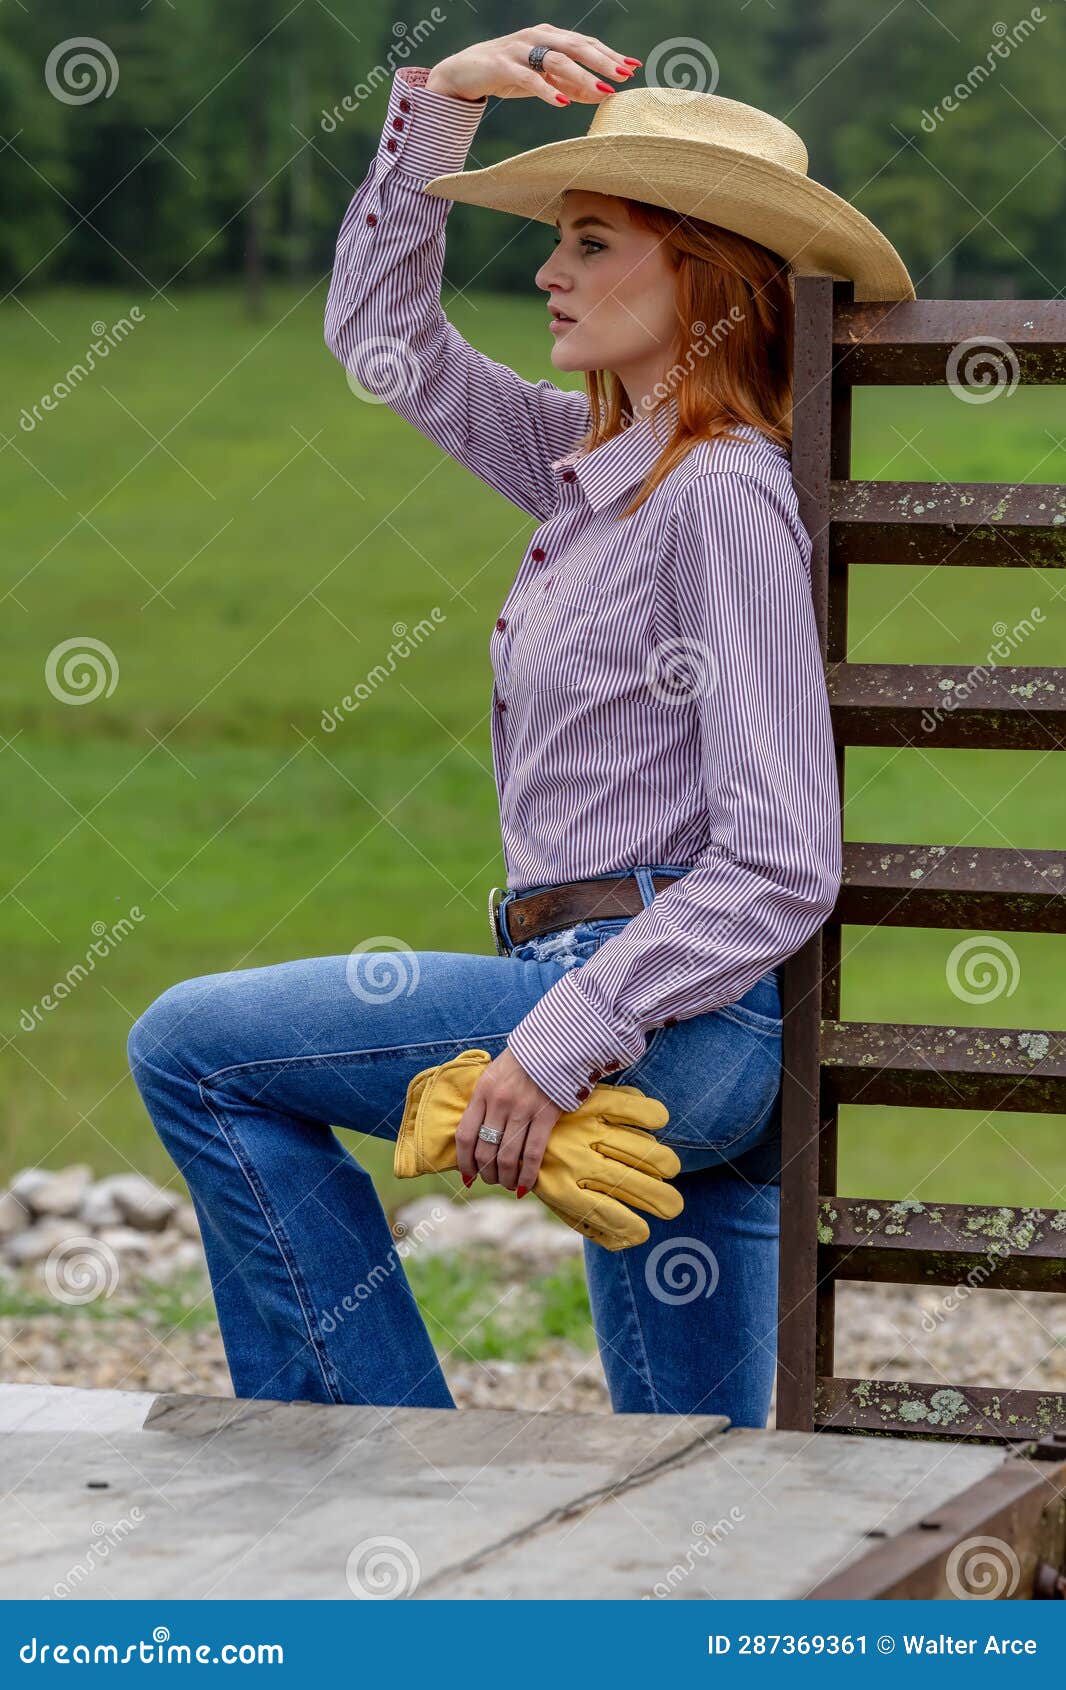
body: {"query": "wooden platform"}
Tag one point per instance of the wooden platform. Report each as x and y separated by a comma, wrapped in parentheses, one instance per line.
(211, 1497)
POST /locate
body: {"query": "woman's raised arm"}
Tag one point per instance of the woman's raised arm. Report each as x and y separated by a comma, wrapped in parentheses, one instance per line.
(384, 321)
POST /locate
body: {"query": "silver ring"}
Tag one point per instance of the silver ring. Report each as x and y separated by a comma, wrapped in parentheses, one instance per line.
(537, 55)
(489, 1134)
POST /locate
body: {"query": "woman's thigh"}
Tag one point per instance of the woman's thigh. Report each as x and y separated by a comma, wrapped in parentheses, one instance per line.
(337, 1039)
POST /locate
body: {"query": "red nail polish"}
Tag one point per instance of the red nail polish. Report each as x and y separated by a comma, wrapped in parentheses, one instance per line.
(620, 70)
(562, 100)
(522, 1189)
(468, 1179)
(634, 61)
(605, 87)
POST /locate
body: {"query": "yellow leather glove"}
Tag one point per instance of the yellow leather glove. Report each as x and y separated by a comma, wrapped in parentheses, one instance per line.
(598, 1158)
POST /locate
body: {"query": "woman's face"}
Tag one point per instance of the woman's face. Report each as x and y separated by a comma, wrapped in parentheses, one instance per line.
(616, 284)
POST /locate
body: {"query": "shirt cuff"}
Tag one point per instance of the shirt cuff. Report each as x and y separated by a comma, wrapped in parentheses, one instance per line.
(566, 1042)
(426, 134)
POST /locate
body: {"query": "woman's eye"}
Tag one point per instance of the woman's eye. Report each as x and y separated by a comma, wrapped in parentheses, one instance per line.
(586, 242)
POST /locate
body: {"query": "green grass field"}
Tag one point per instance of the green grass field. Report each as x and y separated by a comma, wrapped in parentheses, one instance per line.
(245, 535)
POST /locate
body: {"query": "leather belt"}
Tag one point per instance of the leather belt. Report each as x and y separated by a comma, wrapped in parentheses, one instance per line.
(530, 914)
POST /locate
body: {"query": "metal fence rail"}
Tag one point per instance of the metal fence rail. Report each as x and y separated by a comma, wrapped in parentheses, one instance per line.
(827, 1061)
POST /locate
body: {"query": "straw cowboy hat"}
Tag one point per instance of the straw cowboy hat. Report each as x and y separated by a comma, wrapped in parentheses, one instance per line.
(707, 157)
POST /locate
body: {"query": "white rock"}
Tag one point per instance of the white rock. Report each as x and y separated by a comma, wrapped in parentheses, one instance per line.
(124, 1240)
(98, 1207)
(133, 1199)
(61, 1193)
(26, 1182)
(14, 1216)
(186, 1254)
(434, 1225)
(40, 1240)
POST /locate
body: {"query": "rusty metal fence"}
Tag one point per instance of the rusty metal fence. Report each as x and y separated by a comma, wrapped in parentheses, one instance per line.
(841, 344)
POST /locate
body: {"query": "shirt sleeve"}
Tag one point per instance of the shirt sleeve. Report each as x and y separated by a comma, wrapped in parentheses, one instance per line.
(385, 324)
(737, 592)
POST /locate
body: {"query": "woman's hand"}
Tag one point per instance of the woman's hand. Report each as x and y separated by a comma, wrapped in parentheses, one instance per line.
(501, 67)
(505, 1098)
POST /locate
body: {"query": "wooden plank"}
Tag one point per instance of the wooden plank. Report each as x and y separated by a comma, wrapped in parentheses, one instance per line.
(906, 1242)
(948, 707)
(981, 887)
(969, 524)
(821, 450)
(456, 1503)
(947, 1067)
(918, 343)
(236, 1499)
(760, 1515)
(938, 1410)
(988, 1542)
(71, 1408)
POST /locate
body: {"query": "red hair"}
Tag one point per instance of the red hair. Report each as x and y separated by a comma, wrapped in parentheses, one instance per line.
(734, 308)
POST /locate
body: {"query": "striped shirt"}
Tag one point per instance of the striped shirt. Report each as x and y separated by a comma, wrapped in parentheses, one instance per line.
(659, 695)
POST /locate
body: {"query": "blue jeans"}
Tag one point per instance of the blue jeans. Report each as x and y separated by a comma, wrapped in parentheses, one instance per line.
(246, 1073)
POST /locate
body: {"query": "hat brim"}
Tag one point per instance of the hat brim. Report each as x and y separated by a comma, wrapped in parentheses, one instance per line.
(805, 222)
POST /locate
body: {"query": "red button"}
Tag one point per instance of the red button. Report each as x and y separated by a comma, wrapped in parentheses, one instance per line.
(371, 216)
(538, 554)
(582, 1094)
(501, 623)
(390, 144)
(405, 105)
(671, 1021)
(397, 123)
(501, 704)
(597, 1074)
(569, 474)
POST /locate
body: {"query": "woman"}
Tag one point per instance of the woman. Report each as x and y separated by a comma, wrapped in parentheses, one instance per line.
(661, 744)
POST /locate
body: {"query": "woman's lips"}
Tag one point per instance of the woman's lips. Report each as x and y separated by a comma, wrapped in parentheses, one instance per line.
(558, 323)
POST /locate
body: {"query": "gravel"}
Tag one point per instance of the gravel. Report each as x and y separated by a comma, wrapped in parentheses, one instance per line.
(118, 1244)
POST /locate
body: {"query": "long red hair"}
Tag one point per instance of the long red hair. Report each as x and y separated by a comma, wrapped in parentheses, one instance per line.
(735, 314)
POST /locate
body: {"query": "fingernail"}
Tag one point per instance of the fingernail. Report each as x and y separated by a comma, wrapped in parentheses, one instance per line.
(468, 1179)
(605, 87)
(634, 61)
(620, 70)
(522, 1189)
(562, 100)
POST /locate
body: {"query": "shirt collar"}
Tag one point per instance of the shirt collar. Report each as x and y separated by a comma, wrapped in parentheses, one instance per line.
(616, 465)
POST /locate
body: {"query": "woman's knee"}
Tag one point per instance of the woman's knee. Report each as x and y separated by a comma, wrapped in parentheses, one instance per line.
(164, 1035)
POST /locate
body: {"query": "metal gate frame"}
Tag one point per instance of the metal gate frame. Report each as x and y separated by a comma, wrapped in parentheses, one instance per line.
(841, 344)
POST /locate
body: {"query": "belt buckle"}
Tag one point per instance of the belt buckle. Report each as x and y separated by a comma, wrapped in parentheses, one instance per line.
(495, 895)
